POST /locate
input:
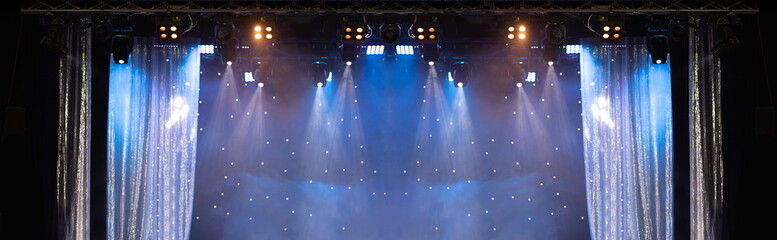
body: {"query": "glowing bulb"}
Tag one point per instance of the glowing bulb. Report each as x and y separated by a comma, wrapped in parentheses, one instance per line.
(431, 63)
(511, 29)
(268, 36)
(359, 37)
(229, 63)
(121, 61)
(269, 29)
(522, 29)
(258, 36)
(432, 36)
(421, 37)
(606, 28)
(257, 28)
(420, 30)
(550, 63)
(460, 84)
(510, 36)
(431, 30)
(173, 28)
(359, 30)
(519, 84)
(616, 35)
(163, 35)
(173, 36)
(605, 36)
(658, 61)
(617, 28)
(261, 84)
(162, 28)
(521, 36)
(348, 30)
(319, 84)
(348, 63)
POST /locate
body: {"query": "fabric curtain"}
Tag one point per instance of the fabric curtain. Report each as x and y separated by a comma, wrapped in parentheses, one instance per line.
(152, 135)
(73, 162)
(627, 121)
(706, 155)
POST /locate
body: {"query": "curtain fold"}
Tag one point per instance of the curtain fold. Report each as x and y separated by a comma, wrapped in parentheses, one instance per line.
(152, 135)
(73, 161)
(706, 155)
(627, 121)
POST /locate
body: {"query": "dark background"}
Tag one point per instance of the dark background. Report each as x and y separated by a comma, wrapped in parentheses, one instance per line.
(28, 94)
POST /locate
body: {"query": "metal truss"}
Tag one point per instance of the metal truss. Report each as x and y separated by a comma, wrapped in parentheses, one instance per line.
(458, 7)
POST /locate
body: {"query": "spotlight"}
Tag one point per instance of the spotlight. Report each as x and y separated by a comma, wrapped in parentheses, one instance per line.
(459, 73)
(375, 49)
(555, 32)
(389, 33)
(517, 72)
(261, 73)
(349, 53)
(404, 50)
(519, 84)
(426, 30)
(51, 41)
(430, 53)
(167, 27)
(260, 84)
(348, 63)
(122, 40)
(262, 30)
(658, 43)
(319, 73)
(517, 29)
(354, 31)
(612, 28)
(550, 63)
(727, 41)
(102, 30)
(227, 41)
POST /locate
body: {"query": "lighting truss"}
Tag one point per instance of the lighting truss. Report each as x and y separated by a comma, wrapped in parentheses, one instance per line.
(383, 7)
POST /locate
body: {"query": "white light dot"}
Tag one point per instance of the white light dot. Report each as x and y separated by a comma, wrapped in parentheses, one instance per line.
(214, 206)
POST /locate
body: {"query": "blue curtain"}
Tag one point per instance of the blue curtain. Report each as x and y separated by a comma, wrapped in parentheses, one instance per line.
(152, 122)
(627, 121)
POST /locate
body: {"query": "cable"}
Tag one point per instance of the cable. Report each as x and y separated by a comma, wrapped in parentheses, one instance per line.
(763, 58)
(588, 25)
(191, 24)
(15, 59)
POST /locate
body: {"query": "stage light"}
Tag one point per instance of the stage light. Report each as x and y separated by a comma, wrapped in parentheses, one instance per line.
(229, 63)
(431, 29)
(262, 30)
(257, 28)
(420, 30)
(227, 42)
(510, 36)
(555, 32)
(517, 29)
(611, 30)
(430, 53)
(727, 41)
(260, 84)
(431, 63)
(574, 49)
(517, 72)
(389, 33)
(425, 30)
(550, 63)
(616, 36)
(258, 36)
(359, 37)
(432, 37)
(268, 36)
(658, 46)
(168, 27)
(348, 63)
(606, 35)
(122, 40)
(375, 49)
(522, 28)
(459, 73)
(348, 30)
(354, 31)
(319, 73)
(606, 28)
(248, 77)
(519, 84)
(404, 50)
(420, 37)
(268, 29)
(511, 29)
(617, 28)
(347, 37)
(531, 77)
(522, 36)
(359, 30)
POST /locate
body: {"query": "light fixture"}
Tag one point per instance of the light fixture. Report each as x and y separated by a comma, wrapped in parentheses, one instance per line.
(517, 72)
(611, 28)
(555, 33)
(354, 30)
(263, 30)
(167, 28)
(459, 73)
(389, 33)
(727, 41)
(319, 73)
(425, 30)
(658, 40)
(430, 53)
(52, 40)
(227, 42)
(122, 39)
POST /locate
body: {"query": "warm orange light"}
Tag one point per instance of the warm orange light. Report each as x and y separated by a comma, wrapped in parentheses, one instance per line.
(617, 28)
(421, 37)
(257, 28)
(420, 30)
(268, 36)
(432, 37)
(606, 28)
(348, 30)
(510, 36)
(605, 36)
(522, 28)
(258, 36)
(269, 29)
(511, 29)
(162, 28)
(163, 35)
(359, 37)
(359, 30)
(431, 30)
(616, 35)
(347, 36)
(521, 36)
(173, 36)
(173, 28)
